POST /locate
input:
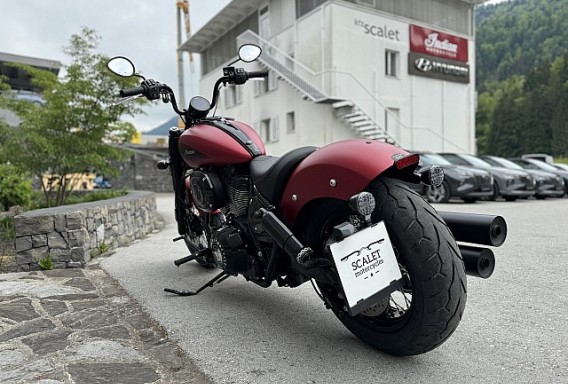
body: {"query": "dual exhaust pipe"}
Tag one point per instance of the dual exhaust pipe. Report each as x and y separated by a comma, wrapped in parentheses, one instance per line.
(477, 229)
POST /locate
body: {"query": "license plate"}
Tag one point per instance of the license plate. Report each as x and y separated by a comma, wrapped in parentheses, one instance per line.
(367, 267)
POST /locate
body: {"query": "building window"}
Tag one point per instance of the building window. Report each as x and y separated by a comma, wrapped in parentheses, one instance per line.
(233, 95)
(268, 130)
(391, 63)
(290, 123)
(266, 85)
(305, 6)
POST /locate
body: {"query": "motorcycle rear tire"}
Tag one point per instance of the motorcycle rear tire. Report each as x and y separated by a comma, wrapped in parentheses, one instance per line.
(431, 264)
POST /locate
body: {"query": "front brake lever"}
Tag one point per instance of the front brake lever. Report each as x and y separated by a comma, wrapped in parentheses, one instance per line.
(125, 100)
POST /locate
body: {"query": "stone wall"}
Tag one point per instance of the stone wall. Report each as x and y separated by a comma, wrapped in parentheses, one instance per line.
(71, 235)
(139, 171)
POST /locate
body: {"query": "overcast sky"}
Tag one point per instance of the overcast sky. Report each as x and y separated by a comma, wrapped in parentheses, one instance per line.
(143, 30)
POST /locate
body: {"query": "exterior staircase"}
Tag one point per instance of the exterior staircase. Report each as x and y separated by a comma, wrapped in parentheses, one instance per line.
(359, 121)
(308, 83)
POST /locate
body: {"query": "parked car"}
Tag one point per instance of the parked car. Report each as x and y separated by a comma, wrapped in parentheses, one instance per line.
(546, 184)
(101, 182)
(562, 167)
(539, 156)
(459, 182)
(541, 165)
(510, 184)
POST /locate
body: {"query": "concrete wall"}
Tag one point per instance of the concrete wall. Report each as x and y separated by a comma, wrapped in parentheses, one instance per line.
(73, 234)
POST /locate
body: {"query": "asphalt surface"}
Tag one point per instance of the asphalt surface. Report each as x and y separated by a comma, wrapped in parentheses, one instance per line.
(514, 330)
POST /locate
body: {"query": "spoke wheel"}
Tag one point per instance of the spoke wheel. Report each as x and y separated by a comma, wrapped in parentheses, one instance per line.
(428, 308)
(196, 233)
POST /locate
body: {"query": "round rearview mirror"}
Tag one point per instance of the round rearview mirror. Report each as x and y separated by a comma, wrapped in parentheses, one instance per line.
(121, 66)
(249, 52)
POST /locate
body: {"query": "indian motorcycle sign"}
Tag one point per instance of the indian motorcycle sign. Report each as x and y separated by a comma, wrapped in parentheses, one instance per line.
(438, 44)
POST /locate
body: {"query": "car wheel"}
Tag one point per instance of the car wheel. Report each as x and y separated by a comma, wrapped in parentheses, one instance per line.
(440, 194)
(495, 192)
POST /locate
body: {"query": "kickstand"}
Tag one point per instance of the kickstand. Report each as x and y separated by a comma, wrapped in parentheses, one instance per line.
(217, 279)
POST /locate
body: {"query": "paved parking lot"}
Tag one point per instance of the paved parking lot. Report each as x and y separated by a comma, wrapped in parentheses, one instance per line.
(515, 327)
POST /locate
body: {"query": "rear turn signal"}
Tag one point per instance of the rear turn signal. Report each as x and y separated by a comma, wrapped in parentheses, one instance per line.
(433, 176)
(362, 203)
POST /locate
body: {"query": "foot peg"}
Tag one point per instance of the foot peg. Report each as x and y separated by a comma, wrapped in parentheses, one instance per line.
(189, 258)
(217, 279)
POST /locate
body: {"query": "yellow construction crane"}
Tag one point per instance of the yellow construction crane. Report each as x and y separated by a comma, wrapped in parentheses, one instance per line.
(182, 7)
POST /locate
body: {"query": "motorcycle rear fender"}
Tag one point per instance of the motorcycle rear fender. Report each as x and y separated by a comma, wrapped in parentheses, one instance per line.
(337, 171)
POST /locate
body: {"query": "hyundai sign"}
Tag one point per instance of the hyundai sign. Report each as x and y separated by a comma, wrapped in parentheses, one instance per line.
(437, 68)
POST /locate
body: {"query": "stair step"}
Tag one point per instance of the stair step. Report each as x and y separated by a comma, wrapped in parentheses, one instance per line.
(355, 119)
(352, 114)
(341, 104)
(366, 131)
(363, 124)
(378, 136)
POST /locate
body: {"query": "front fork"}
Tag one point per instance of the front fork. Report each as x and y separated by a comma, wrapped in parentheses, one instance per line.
(175, 164)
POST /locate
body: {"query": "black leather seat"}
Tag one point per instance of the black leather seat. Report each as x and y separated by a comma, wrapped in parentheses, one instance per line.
(270, 174)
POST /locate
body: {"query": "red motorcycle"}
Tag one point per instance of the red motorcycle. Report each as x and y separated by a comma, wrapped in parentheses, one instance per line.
(382, 259)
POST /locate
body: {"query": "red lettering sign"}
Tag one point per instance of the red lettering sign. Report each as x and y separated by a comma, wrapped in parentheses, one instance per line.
(431, 42)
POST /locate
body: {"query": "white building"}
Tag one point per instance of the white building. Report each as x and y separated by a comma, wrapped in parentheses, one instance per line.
(396, 70)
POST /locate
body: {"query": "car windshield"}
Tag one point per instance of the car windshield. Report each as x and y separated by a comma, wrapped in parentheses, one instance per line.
(473, 160)
(542, 165)
(526, 164)
(432, 159)
(501, 162)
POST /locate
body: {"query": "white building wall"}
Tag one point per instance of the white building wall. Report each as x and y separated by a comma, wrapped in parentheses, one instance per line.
(315, 124)
(345, 46)
(434, 114)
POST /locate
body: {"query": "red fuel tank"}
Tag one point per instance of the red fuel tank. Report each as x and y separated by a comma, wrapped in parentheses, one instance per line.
(219, 142)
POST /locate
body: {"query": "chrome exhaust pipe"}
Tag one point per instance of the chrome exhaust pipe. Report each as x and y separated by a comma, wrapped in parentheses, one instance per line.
(479, 262)
(476, 228)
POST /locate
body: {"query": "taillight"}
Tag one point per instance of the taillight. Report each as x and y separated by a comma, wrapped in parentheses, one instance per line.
(407, 161)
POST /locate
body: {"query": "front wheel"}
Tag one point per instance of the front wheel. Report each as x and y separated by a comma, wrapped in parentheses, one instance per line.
(428, 308)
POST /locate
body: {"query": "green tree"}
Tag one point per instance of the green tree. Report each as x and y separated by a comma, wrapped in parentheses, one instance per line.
(483, 119)
(504, 137)
(559, 119)
(79, 125)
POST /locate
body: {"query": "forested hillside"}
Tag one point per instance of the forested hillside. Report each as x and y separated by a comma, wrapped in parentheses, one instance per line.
(522, 77)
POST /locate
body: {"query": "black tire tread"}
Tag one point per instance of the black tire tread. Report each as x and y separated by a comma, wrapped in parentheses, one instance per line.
(436, 270)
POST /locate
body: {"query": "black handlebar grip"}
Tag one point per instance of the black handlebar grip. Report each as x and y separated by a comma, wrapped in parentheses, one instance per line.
(254, 74)
(132, 91)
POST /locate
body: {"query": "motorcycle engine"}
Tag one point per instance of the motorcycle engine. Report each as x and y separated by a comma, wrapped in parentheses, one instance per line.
(238, 193)
(228, 190)
(229, 249)
(206, 190)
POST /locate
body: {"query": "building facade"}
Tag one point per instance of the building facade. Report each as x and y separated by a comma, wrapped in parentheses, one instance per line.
(401, 71)
(19, 80)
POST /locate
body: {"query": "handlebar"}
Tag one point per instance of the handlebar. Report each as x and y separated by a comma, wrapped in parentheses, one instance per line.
(131, 92)
(257, 74)
(152, 89)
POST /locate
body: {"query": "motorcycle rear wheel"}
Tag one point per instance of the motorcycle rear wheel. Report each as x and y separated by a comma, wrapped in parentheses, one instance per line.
(427, 310)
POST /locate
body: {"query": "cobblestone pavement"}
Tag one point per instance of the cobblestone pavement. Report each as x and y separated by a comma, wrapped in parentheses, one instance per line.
(79, 326)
